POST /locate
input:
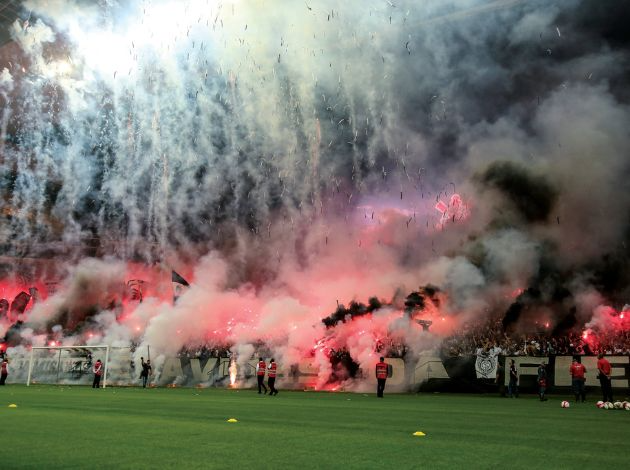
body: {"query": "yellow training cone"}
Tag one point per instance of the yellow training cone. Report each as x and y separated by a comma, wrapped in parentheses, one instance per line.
(232, 420)
(12, 405)
(419, 433)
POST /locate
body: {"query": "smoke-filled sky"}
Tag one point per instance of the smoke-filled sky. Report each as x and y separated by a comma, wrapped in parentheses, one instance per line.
(284, 156)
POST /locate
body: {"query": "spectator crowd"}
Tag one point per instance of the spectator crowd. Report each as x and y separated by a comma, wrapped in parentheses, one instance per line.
(473, 338)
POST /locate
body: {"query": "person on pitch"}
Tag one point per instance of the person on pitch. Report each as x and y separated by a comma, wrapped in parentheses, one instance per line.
(4, 370)
(513, 385)
(500, 379)
(146, 371)
(261, 367)
(381, 376)
(603, 366)
(272, 370)
(542, 381)
(577, 371)
(98, 372)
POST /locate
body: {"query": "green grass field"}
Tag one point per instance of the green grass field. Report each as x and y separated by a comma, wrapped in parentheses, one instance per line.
(76, 427)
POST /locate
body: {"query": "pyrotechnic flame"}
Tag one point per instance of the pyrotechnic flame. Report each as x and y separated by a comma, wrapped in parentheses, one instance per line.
(233, 371)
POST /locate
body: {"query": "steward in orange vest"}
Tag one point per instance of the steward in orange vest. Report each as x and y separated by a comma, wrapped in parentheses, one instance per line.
(271, 372)
(98, 371)
(4, 372)
(381, 376)
(577, 371)
(260, 375)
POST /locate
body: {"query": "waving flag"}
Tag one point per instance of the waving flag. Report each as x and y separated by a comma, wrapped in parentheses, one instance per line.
(135, 289)
(180, 285)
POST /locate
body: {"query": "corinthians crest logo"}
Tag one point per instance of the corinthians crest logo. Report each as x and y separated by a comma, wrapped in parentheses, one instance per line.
(486, 365)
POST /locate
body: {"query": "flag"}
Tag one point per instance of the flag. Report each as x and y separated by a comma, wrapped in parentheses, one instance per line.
(486, 364)
(180, 285)
(19, 305)
(135, 288)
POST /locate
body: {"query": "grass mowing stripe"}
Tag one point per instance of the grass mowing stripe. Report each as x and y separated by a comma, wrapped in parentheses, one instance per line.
(75, 427)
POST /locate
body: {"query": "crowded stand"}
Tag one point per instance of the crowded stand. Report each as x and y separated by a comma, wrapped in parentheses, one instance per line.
(472, 338)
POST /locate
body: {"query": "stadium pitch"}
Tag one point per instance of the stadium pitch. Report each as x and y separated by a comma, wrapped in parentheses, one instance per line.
(77, 427)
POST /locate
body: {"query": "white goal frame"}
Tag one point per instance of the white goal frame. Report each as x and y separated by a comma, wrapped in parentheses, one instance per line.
(61, 348)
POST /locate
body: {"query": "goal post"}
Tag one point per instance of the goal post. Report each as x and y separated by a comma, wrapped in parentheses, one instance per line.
(73, 360)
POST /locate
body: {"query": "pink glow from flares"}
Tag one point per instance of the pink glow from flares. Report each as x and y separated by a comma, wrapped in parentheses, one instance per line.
(284, 315)
(606, 318)
(441, 207)
(210, 314)
(330, 387)
(443, 325)
(382, 217)
(455, 211)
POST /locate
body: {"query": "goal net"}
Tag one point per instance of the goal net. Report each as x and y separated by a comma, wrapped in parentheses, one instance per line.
(74, 365)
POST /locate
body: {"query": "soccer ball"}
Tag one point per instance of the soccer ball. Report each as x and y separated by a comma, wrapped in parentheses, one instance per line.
(618, 405)
(565, 404)
(600, 404)
(608, 405)
(626, 406)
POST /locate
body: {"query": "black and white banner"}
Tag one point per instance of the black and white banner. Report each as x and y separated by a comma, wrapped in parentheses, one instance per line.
(486, 364)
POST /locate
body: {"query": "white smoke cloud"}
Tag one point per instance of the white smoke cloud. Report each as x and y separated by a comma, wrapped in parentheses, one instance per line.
(511, 257)
(6, 80)
(291, 160)
(531, 26)
(91, 283)
(32, 37)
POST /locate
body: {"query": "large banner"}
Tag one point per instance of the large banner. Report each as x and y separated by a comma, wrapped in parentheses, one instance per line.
(558, 370)
(73, 366)
(426, 372)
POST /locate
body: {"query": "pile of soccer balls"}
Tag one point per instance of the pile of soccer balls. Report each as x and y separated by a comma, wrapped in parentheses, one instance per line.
(604, 405)
(618, 405)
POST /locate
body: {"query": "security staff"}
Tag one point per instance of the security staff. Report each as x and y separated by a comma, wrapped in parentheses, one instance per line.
(577, 371)
(271, 374)
(260, 375)
(603, 366)
(381, 376)
(513, 385)
(4, 371)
